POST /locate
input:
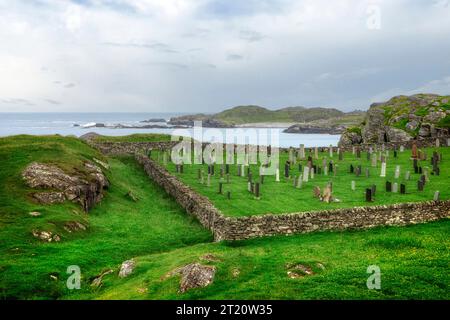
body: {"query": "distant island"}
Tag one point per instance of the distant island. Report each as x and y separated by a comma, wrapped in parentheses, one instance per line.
(297, 119)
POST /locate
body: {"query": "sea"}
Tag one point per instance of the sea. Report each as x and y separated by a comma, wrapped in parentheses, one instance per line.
(78, 124)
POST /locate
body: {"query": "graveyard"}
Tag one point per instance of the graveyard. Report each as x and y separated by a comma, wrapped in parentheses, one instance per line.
(347, 179)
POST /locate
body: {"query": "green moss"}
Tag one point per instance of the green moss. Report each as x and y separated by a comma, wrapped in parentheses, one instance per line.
(445, 122)
(356, 130)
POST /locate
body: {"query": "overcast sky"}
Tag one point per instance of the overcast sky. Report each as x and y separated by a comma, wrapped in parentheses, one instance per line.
(208, 55)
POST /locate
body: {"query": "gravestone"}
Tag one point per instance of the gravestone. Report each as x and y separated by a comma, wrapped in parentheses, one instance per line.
(331, 151)
(353, 150)
(374, 190)
(374, 160)
(397, 172)
(239, 168)
(420, 185)
(383, 170)
(302, 151)
(352, 169)
(402, 148)
(316, 152)
(367, 173)
(369, 195)
(227, 169)
(436, 196)
(277, 175)
(395, 187)
(249, 186)
(325, 170)
(220, 187)
(286, 170)
(312, 171)
(414, 154)
(407, 175)
(353, 185)
(438, 143)
(294, 181)
(305, 174)
(358, 153)
(229, 195)
(300, 181)
(330, 166)
(416, 167)
(208, 181)
(403, 189)
(358, 171)
(388, 186)
(242, 170)
(257, 194)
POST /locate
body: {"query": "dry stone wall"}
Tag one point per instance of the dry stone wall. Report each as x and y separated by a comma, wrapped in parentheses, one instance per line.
(229, 228)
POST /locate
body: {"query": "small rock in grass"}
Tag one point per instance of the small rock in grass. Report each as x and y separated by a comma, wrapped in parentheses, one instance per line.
(97, 282)
(127, 268)
(47, 236)
(210, 258)
(72, 226)
(35, 214)
(131, 196)
(235, 272)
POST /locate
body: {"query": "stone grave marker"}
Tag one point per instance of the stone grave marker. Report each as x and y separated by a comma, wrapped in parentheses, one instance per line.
(257, 191)
(438, 143)
(369, 195)
(294, 181)
(249, 186)
(302, 151)
(277, 175)
(330, 167)
(397, 172)
(353, 185)
(374, 160)
(229, 195)
(395, 187)
(239, 168)
(300, 181)
(416, 167)
(358, 153)
(242, 170)
(353, 150)
(407, 175)
(220, 187)
(420, 185)
(367, 172)
(311, 172)
(331, 151)
(305, 174)
(420, 170)
(316, 152)
(403, 188)
(383, 170)
(325, 170)
(402, 148)
(208, 180)
(388, 186)
(436, 196)
(352, 169)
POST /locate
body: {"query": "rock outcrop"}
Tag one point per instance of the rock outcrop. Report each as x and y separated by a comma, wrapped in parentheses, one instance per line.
(127, 268)
(307, 129)
(84, 188)
(194, 275)
(401, 119)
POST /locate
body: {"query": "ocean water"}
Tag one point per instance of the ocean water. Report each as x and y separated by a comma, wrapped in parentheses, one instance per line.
(63, 124)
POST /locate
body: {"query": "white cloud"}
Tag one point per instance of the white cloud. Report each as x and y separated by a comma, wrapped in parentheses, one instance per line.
(151, 55)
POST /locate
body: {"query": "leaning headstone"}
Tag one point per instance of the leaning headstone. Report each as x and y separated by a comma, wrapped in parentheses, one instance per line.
(436, 196)
(383, 170)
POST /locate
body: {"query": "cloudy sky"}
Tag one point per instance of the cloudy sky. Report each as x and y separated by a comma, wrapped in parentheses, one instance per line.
(207, 55)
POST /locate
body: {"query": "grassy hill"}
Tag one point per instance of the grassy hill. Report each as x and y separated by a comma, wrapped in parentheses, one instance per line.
(161, 236)
(256, 114)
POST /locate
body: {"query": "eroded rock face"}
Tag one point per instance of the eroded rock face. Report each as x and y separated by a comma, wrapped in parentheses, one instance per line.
(86, 189)
(350, 138)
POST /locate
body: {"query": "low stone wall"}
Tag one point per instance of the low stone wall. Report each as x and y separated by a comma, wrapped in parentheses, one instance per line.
(228, 228)
(123, 148)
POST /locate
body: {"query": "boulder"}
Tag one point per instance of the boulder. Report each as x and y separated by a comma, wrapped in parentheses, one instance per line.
(397, 135)
(194, 275)
(412, 125)
(127, 268)
(85, 189)
(350, 138)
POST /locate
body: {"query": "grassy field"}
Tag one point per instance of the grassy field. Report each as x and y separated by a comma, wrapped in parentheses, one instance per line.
(118, 227)
(156, 232)
(413, 260)
(282, 197)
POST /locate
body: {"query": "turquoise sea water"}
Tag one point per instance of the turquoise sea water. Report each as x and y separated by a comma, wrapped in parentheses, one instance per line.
(63, 124)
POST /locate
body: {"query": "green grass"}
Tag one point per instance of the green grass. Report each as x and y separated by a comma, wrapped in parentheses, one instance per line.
(119, 228)
(413, 261)
(161, 236)
(282, 197)
(138, 137)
